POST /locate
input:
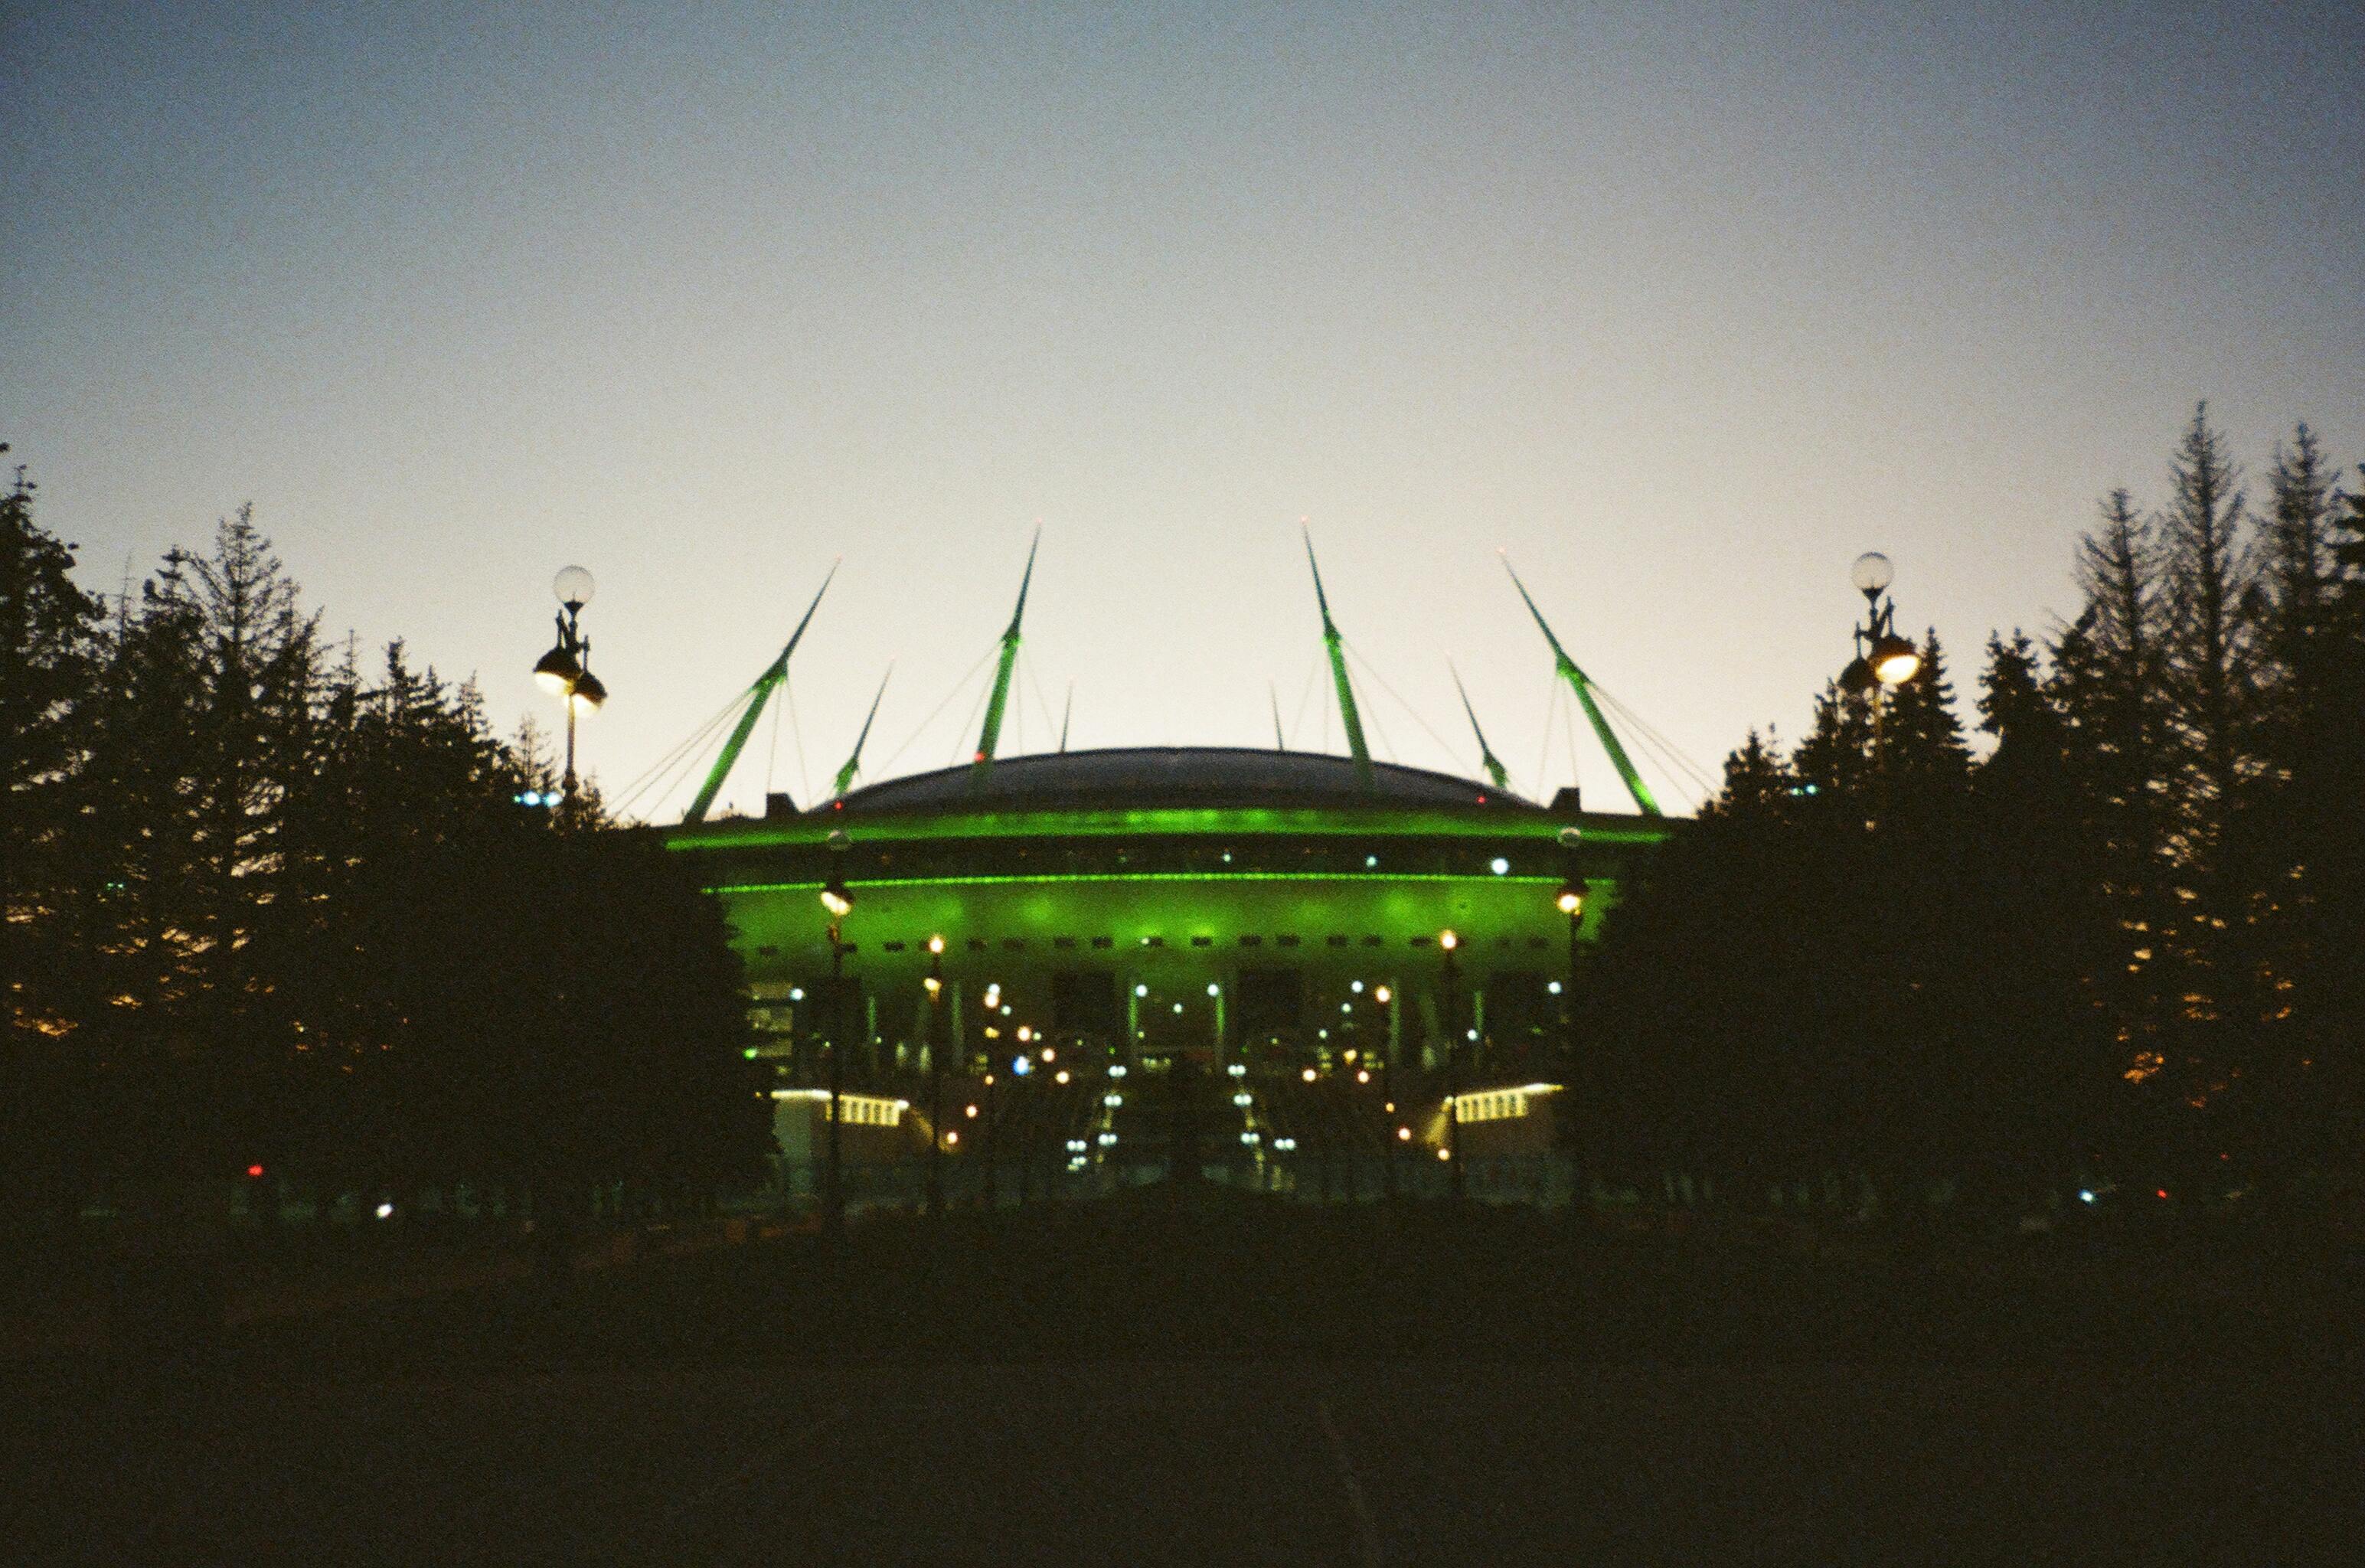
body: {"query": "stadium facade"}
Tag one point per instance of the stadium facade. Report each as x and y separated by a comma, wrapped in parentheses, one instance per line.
(1090, 916)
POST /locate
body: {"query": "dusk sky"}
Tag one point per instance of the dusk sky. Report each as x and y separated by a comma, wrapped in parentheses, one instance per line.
(1682, 305)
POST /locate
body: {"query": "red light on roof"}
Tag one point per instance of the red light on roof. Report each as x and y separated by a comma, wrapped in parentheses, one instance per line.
(254, 1169)
(838, 805)
(979, 757)
(1482, 800)
(2159, 1192)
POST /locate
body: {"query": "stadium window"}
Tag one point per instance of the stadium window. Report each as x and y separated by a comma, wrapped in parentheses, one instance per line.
(1251, 941)
(1203, 941)
(1287, 941)
(891, 947)
(1416, 942)
(1336, 941)
(1063, 943)
(1016, 944)
(977, 943)
(1376, 941)
(1101, 942)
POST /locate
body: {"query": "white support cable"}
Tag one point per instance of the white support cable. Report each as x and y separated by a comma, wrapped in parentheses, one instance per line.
(772, 752)
(1297, 718)
(1051, 724)
(1552, 711)
(693, 746)
(797, 729)
(958, 687)
(1643, 727)
(1568, 729)
(968, 726)
(1407, 707)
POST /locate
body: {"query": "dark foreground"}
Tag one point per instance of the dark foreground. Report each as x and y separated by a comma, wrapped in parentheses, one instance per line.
(1140, 1383)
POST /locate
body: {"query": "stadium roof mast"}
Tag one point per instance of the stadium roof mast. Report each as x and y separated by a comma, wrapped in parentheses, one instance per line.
(853, 763)
(1348, 716)
(991, 735)
(1487, 756)
(758, 694)
(1583, 689)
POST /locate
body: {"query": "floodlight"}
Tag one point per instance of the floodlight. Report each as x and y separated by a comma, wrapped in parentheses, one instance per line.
(558, 671)
(1895, 660)
(589, 693)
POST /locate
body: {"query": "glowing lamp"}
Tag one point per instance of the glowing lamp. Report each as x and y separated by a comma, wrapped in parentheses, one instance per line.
(835, 899)
(556, 672)
(1448, 940)
(587, 694)
(1570, 900)
(1894, 660)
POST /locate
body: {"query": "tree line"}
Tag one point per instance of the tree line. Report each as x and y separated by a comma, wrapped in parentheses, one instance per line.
(2124, 947)
(277, 917)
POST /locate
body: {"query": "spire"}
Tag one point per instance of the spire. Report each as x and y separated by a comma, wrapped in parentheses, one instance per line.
(758, 694)
(1279, 742)
(1583, 687)
(1486, 757)
(1067, 712)
(1348, 716)
(990, 736)
(853, 763)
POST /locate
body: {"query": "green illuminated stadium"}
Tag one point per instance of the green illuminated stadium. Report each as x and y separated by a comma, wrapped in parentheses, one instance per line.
(1239, 913)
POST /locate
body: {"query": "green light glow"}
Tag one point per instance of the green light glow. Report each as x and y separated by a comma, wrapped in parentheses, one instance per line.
(1342, 822)
(1486, 878)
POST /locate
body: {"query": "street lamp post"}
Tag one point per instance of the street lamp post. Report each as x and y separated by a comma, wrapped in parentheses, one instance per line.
(1571, 903)
(1449, 1005)
(936, 984)
(835, 898)
(1884, 661)
(565, 671)
(1382, 997)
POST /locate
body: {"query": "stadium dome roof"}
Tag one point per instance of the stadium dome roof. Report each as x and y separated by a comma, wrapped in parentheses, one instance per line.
(1186, 775)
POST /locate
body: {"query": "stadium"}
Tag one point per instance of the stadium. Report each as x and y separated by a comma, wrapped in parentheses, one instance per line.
(1254, 964)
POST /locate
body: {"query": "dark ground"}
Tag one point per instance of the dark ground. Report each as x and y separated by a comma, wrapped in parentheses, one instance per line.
(1139, 1383)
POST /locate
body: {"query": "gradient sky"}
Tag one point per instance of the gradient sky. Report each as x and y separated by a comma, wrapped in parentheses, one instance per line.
(1684, 306)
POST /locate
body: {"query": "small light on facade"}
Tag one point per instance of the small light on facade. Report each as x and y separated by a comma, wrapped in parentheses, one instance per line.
(1382, 995)
(1141, 990)
(1448, 940)
(1404, 1134)
(968, 1110)
(385, 1211)
(1500, 865)
(936, 944)
(1362, 1075)
(1307, 1075)
(1060, 1077)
